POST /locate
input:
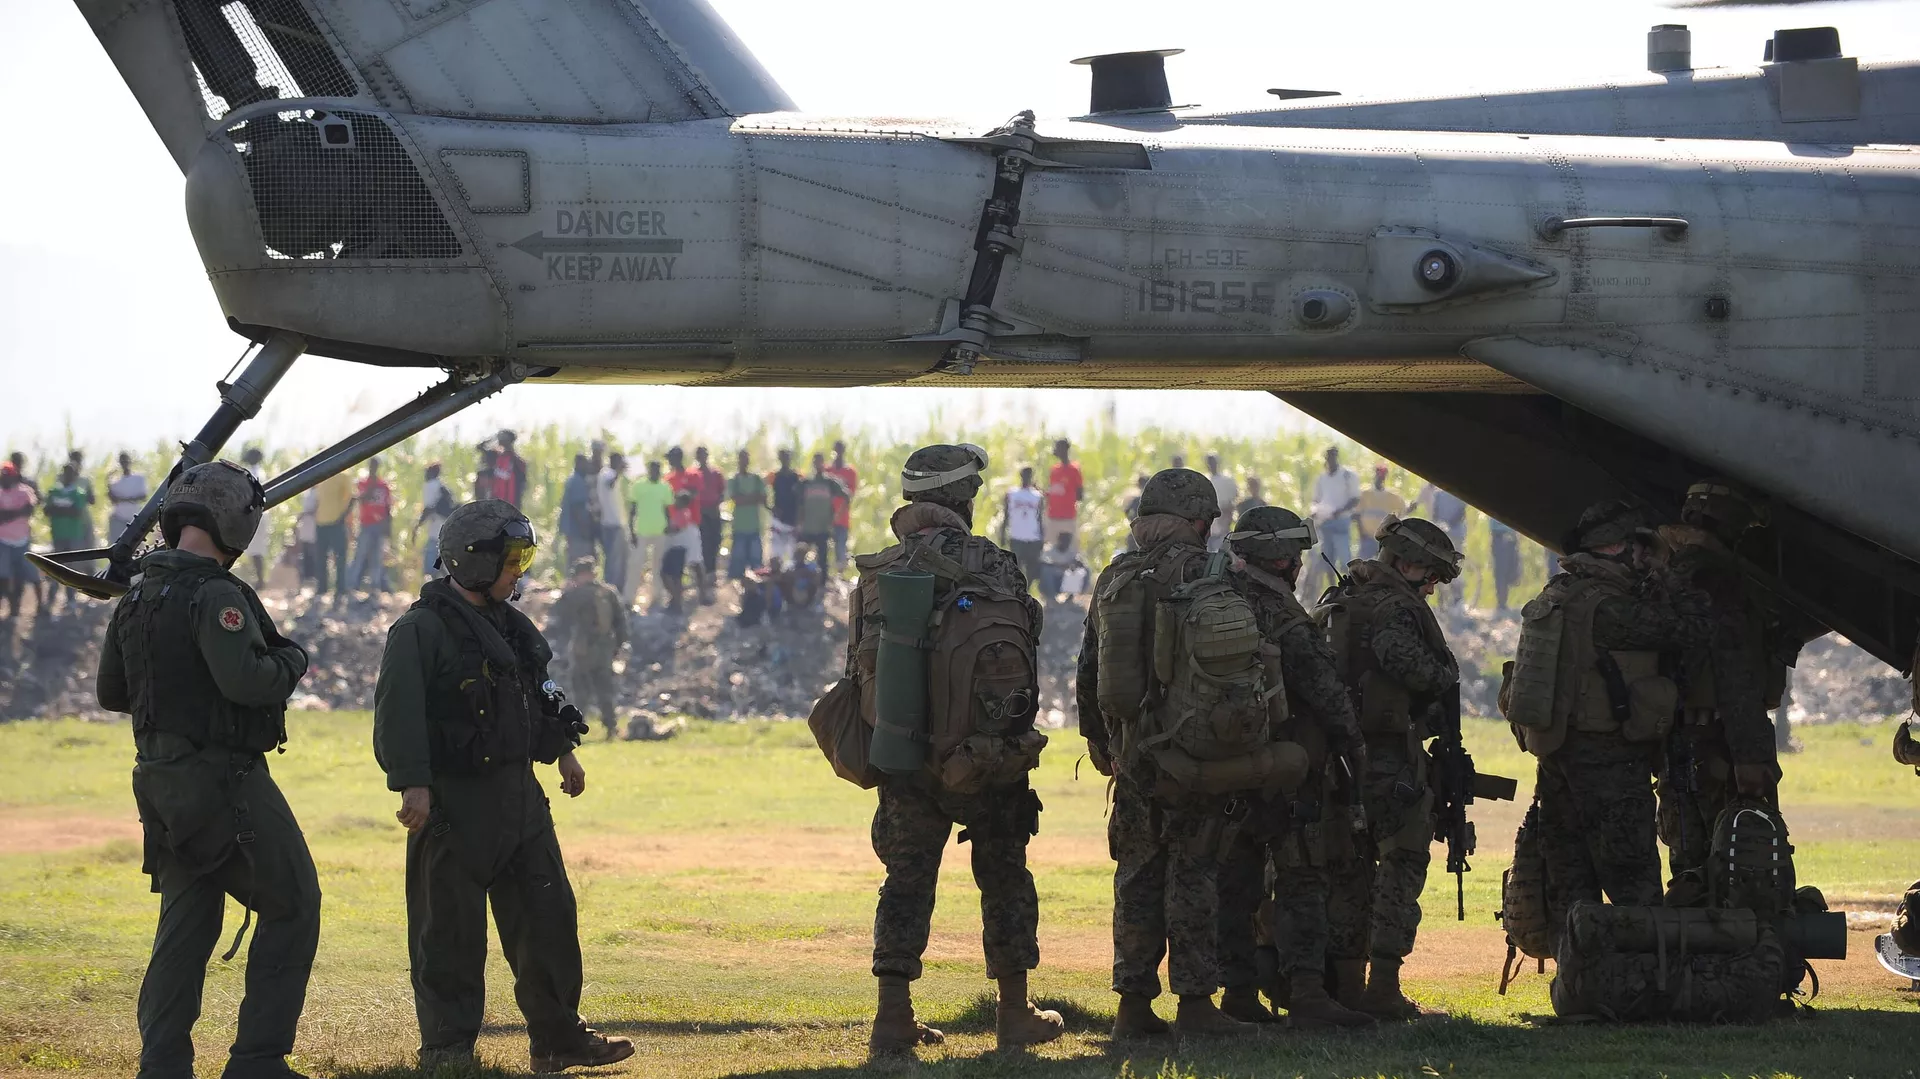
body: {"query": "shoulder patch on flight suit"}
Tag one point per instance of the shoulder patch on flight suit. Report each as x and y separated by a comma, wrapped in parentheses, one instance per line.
(232, 619)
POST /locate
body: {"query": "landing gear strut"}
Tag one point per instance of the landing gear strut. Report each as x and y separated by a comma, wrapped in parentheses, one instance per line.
(240, 400)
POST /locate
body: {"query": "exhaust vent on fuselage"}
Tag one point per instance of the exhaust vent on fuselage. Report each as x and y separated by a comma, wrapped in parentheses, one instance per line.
(1130, 81)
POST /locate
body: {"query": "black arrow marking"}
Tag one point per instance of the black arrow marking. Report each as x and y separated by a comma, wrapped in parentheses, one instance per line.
(540, 244)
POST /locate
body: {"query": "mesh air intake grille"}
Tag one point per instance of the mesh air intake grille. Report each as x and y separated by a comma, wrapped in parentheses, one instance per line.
(339, 185)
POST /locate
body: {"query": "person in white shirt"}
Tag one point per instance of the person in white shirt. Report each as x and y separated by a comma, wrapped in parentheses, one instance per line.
(436, 503)
(1228, 494)
(612, 491)
(1336, 491)
(1020, 528)
(128, 492)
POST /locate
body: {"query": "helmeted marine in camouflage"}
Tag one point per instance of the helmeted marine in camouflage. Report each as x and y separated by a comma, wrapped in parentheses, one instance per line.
(1591, 695)
(1301, 837)
(191, 654)
(591, 619)
(1395, 663)
(1165, 897)
(1725, 745)
(914, 816)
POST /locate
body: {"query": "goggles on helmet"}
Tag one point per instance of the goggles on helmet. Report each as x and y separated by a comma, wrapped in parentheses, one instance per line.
(1445, 564)
(912, 480)
(1303, 533)
(516, 544)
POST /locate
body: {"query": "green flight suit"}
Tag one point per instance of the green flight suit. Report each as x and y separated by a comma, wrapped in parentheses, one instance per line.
(216, 824)
(489, 838)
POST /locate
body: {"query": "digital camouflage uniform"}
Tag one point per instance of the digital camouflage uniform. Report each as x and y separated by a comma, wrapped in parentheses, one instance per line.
(913, 819)
(592, 620)
(1593, 785)
(1307, 837)
(1165, 892)
(1374, 909)
(490, 835)
(1724, 687)
(991, 710)
(192, 656)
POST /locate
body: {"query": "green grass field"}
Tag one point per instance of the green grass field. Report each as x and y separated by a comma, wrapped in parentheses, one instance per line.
(726, 892)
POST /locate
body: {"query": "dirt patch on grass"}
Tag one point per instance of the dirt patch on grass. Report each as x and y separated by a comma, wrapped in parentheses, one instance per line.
(39, 831)
(814, 850)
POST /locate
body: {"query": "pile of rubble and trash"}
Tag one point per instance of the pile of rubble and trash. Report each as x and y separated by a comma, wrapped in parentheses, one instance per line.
(706, 665)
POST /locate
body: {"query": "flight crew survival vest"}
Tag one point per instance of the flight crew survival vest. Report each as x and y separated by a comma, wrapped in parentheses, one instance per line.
(490, 717)
(1561, 680)
(172, 687)
(1352, 615)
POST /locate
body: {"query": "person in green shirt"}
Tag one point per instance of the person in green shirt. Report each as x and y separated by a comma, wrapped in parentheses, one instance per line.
(66, 508)
(647, 502)
(748, 493)
(817, 495)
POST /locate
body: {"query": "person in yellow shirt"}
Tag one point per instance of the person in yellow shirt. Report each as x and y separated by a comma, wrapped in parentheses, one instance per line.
(330, 531)
(1372, 509)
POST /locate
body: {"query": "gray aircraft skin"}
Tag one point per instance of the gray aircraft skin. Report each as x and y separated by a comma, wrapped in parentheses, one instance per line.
(1537, 300)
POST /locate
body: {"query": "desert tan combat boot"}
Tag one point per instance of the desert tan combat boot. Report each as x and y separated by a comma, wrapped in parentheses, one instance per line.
(1017, 1022)
(1383, 998)
(895, 1030)
(1198, 1018)
(1135, 1019)
(1349, 982)
(1242, 1002)
(1310, 1008)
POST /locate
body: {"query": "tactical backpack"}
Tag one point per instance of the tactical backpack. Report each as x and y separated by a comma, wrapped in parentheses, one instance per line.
(982, 648)
(1523, 901)
(1217, 696)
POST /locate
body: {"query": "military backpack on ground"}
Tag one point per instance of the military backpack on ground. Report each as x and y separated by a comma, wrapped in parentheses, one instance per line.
(1524, 910)
(1731, 945)
(981, 649)
(1685, 964)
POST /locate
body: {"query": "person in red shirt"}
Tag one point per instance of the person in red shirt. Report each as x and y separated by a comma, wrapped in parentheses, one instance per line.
(710, 492)
(509, 471)
(375, 501)
(1065, 489)
(842, 507)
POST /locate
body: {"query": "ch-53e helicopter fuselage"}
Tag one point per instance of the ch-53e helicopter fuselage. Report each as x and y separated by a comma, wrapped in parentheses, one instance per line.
(1537, 300)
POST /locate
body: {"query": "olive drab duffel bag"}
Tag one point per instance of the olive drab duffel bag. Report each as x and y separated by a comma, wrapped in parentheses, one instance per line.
(1685, 964)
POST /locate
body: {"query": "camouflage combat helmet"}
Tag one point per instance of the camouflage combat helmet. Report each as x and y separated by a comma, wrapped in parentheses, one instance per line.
(1422, 543)
(220, 497)
(1730, 508)
(1604, 524)
(1181, 492)
(586, 563)
(948, 475)
(480, 538)
(1271, 534)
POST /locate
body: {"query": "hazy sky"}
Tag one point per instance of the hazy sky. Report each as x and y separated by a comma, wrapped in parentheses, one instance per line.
(107, 324)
